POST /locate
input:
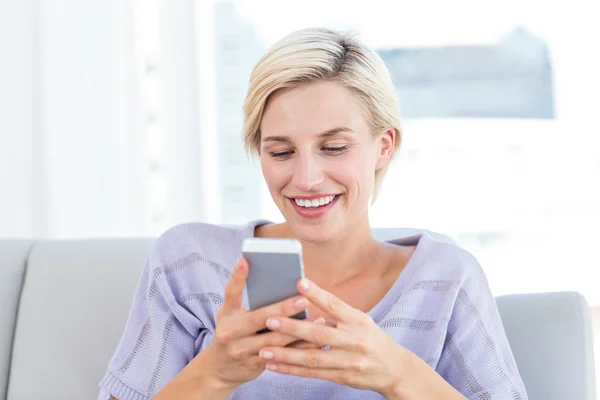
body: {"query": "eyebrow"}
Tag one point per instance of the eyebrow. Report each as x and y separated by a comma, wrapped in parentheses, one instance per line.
(328, 133)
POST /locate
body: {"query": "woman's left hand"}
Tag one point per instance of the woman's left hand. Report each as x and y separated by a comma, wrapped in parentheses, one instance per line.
(359, 353)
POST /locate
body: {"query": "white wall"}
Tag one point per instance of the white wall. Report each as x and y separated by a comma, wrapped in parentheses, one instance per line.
(19, 134)
(91, 120)
(71, 162)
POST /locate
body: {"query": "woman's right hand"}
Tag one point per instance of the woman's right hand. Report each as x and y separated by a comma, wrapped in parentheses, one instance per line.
(232, 357)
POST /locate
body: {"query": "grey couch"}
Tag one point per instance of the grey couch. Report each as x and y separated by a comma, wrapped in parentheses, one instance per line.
(63, 306)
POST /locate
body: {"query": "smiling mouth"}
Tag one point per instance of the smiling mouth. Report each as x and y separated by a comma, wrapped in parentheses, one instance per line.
(314, 203)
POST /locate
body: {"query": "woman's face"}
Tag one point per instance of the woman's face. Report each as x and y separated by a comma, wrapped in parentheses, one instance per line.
(319, 158)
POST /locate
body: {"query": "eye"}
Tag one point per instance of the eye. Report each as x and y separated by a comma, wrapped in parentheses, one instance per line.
(334, 150)
(281, 155)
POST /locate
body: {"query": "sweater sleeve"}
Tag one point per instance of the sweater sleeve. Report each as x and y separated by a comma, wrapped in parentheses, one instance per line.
(476, 358)
(159, 339)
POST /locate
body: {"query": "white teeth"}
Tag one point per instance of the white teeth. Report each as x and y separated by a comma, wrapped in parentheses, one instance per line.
(314, 202)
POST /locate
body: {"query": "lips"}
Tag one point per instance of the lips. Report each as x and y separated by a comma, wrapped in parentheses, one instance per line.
(305, 209)
(314, 203)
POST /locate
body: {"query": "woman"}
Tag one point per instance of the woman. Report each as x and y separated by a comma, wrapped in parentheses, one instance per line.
(412, 318)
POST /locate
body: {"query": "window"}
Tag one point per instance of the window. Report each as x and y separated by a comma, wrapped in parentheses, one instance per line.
(486, 156)
(499, 147)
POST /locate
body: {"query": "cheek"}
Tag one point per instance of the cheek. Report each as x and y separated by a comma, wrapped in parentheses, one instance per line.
(275, 175)
(355, 170)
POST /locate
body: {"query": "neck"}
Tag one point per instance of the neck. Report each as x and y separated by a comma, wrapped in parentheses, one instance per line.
(341, 258)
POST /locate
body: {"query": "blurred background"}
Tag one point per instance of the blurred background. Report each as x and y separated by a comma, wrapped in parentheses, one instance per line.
(122, 118)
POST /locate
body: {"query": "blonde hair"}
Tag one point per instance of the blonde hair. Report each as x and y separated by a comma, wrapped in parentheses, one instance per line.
(313, 55)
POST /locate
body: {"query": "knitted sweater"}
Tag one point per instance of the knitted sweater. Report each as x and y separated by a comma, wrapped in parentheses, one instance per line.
(440, 308)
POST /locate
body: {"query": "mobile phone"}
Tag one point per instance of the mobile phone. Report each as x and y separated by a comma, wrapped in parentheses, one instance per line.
(275, 267)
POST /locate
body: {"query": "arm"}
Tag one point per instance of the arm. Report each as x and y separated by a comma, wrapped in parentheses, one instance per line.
(476, 358)
(423, 384)
(160, 337)
(189, 385)
(185, 387)
(230, 360)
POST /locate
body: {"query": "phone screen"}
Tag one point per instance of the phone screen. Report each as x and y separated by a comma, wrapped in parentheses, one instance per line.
(272, 277)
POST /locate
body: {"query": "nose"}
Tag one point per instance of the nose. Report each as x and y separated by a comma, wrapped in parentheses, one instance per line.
(308, 173)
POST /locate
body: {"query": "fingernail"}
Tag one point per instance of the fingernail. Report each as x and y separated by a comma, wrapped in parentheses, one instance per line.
(272, 367)
(267, 355)
(301, 303)
(273, 323)
(320, 320)
(304, 284)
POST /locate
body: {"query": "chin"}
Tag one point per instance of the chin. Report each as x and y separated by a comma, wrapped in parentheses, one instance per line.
(312, 232)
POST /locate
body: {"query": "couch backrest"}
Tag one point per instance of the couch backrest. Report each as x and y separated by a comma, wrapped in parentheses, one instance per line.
(74, 305)
(75, 298)
(550, 335)
(13, 259)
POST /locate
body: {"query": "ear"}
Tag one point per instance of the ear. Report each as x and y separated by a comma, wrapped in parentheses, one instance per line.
(385, 143)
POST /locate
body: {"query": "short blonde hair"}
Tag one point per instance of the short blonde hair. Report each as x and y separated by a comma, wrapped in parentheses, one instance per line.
(313, 55)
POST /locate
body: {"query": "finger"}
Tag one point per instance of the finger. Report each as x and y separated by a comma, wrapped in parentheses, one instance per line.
(303, 344)
(327, 302)
(253, 321)
(332, 375)
(314, 358)
(322, 320)
(250, 345)
(330, 322)
(319, 334)
(234, 289)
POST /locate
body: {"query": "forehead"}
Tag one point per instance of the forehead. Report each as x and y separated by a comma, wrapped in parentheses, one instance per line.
(312, 109)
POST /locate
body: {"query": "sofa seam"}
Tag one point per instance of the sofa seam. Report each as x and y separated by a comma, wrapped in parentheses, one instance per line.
(16, 317)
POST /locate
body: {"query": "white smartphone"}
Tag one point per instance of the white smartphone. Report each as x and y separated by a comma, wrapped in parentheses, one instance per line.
(275, 268)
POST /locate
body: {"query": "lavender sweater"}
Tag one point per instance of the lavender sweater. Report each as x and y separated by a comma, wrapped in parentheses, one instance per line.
(440, 308)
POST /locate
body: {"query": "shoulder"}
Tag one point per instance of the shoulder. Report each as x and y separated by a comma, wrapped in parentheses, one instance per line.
(437, 259)
(440, 276)
(461, 276)
(455, 259)
(189, 242)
